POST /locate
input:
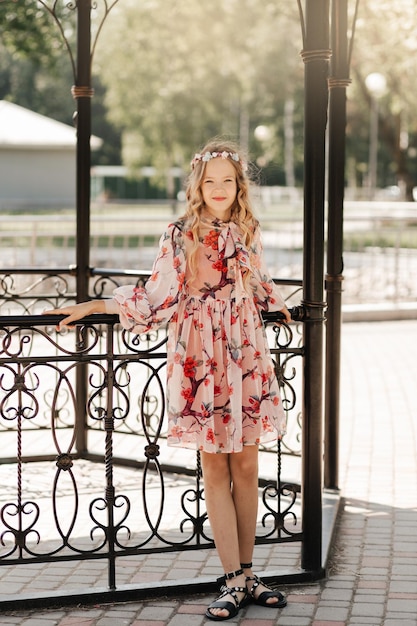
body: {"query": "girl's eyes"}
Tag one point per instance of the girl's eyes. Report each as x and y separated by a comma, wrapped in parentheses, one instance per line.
(210, 181)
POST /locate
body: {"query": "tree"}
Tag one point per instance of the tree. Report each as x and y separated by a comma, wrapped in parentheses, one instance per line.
(34, 72)
(177, 73)
(29, 31)
(37, 73)
(172, 74)
(386, 42)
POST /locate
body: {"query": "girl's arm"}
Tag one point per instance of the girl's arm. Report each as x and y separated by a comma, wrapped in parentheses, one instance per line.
(266, 293)
(143, 308)
(77, 311)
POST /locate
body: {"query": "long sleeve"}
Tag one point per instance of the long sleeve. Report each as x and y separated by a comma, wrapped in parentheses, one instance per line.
(265, 292)
(144, 308)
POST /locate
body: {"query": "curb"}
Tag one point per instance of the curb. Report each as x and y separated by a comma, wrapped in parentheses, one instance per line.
(379, 312)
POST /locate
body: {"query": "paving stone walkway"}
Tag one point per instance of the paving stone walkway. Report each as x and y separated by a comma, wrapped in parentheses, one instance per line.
(372, 574)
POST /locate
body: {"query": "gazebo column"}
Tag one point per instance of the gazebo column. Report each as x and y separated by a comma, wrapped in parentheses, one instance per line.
(338, 82)
(316, 56)
(82, 92)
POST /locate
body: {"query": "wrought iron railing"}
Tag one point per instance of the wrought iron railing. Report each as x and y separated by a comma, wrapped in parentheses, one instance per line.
(96, 396)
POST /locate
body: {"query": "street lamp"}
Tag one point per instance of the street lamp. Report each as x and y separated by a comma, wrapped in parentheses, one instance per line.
(377, 87)
(263, 134)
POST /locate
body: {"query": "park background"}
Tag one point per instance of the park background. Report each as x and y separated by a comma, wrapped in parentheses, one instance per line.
(379, 210)
(168, 76)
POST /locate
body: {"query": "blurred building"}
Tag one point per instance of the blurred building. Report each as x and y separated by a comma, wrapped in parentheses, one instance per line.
(37, 159)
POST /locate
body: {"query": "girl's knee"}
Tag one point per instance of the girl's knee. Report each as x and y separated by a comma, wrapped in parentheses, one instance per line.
(216, 468)
(245, 464)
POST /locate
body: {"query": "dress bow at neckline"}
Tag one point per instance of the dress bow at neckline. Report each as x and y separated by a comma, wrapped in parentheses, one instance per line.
(231, 245)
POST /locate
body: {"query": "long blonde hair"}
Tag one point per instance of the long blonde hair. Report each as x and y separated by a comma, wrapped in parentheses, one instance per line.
(241, 213)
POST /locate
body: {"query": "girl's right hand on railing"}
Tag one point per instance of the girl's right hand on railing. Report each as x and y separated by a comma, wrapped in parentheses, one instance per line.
(76, 312)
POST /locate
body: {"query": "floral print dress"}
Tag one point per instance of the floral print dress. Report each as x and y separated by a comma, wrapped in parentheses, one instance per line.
(222, 392)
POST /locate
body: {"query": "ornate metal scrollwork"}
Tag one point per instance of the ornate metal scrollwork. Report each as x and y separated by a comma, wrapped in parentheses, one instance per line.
(284, 493)
(151, 451)
(125, 408)
(26, 516)
(64, 461)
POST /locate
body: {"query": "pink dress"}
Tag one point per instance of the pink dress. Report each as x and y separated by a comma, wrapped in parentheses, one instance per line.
(222, 392)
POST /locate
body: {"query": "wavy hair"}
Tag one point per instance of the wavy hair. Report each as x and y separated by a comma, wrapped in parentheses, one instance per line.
(241, 212)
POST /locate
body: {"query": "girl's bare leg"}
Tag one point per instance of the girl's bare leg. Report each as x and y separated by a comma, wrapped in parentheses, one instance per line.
(222, 516)
(245, 473)
(231, 493)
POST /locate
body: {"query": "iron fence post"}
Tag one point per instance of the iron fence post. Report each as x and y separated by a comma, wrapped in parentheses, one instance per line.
(338, 82)
(316, 56)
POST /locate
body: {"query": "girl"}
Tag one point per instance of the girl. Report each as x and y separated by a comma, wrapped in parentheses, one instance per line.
(210, 282)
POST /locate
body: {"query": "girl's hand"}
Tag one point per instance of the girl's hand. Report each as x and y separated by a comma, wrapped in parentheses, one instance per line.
(77, 311)
(287, 315)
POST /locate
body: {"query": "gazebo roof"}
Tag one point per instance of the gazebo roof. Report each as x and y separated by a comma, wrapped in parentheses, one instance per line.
(22, 128)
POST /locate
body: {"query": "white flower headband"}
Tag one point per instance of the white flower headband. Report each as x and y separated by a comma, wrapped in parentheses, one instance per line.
(207, 156)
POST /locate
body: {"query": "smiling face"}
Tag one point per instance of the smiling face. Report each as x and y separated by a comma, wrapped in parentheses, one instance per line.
(219, 187)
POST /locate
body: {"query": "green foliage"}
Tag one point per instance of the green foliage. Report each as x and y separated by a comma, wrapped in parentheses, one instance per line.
(385, 42)
(29, 30)
(185, 71)
(36, 71)
(168, 75)
(110, 151)
(29, 84)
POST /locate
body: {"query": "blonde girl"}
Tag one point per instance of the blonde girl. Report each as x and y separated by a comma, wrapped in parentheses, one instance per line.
(210, 282)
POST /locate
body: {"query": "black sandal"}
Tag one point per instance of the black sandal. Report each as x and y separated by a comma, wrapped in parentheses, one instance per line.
(225, 604)
(262, 599)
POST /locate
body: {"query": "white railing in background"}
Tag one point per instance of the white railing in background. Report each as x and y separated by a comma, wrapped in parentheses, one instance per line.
(380, 256)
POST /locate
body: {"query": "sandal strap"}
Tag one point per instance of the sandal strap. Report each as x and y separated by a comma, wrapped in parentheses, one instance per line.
(232, 607)
(256, 583)
(232, 591)
(246, 565)
(229, 576)
(264, 596)
(234, 574)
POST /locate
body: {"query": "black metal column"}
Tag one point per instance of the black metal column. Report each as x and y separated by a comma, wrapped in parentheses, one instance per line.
(337, 124)
(82, 92)
(316, 56)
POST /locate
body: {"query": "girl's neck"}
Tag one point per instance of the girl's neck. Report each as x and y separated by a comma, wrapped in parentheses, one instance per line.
(222, 217)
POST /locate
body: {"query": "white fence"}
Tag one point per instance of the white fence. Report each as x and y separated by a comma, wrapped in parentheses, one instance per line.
(380, 257)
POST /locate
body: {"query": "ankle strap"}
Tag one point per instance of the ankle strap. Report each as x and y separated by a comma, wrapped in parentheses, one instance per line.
(230, 575)
(246, 565)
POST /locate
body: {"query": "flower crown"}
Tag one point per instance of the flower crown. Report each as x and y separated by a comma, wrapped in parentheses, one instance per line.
(207, 156)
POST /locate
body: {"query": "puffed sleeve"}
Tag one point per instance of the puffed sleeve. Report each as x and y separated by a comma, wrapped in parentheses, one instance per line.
(265, 292)
(144, 308)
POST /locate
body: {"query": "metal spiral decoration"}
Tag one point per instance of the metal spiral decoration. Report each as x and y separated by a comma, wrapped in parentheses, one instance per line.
(124, 416)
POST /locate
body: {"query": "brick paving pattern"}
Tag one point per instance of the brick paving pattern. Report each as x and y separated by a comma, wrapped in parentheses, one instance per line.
(372, 573)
